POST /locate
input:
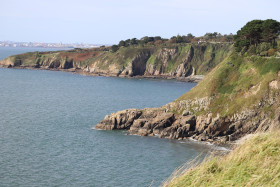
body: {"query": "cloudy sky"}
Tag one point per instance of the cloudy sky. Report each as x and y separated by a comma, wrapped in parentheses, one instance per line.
(108, 21)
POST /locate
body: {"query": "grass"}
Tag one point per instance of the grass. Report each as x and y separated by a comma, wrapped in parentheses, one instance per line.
(256, 162)
(236, 83)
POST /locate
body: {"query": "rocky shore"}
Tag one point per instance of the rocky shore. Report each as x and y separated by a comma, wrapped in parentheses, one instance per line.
(191, 78)
(164, 123)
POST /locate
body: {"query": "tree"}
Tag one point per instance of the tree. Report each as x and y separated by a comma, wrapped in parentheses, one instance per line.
(133, 41)
(252, 32)
(270, 30)
(229, 38)
(255, 32)
(190, 36)
(179, 39)
(157, 38)
(151, 39)
(114, 48)
(121, 43)
(127, 42)
(173, 39)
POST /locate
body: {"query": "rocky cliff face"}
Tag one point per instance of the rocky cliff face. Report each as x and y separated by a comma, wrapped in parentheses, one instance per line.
(163, 123)
(174, 61)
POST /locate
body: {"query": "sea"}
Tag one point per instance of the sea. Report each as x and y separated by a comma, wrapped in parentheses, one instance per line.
(47, 136)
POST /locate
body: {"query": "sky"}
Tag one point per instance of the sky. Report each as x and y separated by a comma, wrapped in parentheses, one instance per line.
(109, 21)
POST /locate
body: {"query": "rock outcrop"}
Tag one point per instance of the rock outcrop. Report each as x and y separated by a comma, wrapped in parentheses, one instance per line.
(150, 122)
(159, 122)
(164, 123)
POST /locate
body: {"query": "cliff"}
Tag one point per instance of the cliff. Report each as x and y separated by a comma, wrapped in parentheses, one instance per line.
(163, 61)
(239, 96)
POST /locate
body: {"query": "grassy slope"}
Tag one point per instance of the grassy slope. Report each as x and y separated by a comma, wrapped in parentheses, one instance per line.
(254, 163)
(238, 82)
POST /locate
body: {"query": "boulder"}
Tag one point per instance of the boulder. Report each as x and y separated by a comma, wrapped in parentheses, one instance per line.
(162, 121)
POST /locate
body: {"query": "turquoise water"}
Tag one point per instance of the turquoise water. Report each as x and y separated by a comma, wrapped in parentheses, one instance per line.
(46, 136)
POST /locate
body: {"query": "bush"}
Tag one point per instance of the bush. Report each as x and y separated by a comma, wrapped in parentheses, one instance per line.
(271, 52)
(114, 48)
(263, 47)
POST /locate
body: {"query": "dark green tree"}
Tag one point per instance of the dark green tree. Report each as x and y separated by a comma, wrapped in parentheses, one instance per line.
(121, 43)
(270, 30)
(179, 39)
(250, 34)
(188, 38)
(157, 38)
(114, 48)
(256, 32)
(127, 42)
(133, 41)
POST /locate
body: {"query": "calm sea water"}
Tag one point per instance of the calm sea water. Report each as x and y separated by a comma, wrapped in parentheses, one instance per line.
(46, 136)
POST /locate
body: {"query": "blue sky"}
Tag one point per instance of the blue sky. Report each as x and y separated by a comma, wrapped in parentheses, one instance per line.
(108, 21)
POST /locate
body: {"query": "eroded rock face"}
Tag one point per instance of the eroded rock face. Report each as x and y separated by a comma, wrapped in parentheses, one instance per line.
(163, 123)
(150, 123)
(121, 120)
(137, 66)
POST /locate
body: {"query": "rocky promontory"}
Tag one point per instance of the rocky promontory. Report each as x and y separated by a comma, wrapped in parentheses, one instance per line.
(213, 111)
(163, 123)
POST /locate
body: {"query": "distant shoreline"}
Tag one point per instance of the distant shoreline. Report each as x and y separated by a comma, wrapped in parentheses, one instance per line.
(190, 79)
(37, 47)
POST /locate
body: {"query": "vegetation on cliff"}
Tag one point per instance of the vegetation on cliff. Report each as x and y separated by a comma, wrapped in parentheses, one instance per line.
(174, 60)
(214, 37)
(255, 162)
(237, 83)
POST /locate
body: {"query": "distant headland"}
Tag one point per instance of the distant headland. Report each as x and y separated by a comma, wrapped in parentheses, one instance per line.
(47, 45)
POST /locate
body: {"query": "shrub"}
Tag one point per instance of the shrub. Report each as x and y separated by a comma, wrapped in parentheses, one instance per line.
(271, 52)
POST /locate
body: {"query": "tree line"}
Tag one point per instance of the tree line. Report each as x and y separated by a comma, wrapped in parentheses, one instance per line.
(189, 38)
(257, 36)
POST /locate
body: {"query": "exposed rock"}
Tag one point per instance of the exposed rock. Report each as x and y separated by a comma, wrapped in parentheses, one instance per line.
(163, 123)
(139, 63)
(274, 84)
(120, 120)
(137, 66)
(151, 124)
(7, 63)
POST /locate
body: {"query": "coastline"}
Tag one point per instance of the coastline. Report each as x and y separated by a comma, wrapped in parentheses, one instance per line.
(190, 79)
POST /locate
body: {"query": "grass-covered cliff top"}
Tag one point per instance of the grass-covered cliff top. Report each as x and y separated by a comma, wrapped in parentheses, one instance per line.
(256, 162)
(237, 83)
